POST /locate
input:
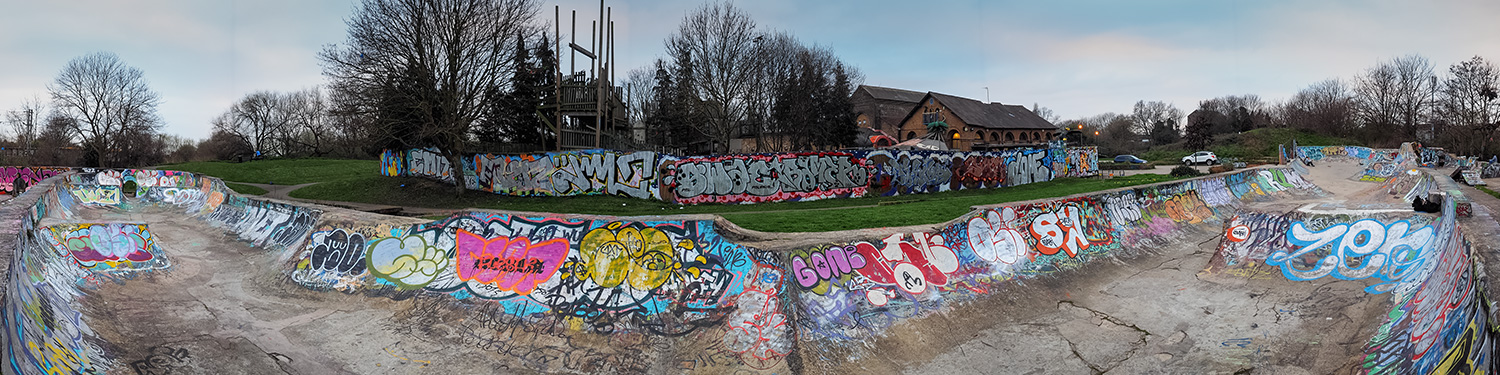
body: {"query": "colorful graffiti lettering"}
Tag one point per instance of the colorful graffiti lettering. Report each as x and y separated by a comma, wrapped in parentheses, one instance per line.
(1353, 251)
(630, 174)
(15, 180)
(994, 240)
(97, 195)
(406, 261)
(746, 178)
(512, 264)
(771, 177)
(814, 268)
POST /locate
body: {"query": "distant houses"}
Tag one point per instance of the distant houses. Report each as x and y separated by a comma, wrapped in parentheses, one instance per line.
(959, 123)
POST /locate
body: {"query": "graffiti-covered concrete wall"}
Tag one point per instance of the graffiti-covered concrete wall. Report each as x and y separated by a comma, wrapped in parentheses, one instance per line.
(1439, 320)
(860, 289)
(746, 178)
(589, 294)
(15, 180)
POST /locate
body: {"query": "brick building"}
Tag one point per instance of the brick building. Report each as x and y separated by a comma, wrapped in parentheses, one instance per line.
(968, 124)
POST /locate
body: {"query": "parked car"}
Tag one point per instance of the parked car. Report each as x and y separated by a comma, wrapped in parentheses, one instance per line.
(1201, 157)
(1128, 159)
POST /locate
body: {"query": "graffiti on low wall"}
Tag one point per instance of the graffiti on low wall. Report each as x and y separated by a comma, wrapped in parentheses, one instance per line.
(765, 177)
(1440, 319)
(631, 174)
(857, 290)
(1440, 322)
(43, 332)
(747, 178)
(15, 180)
(109, 247)
(667, 278)
(1077, 162)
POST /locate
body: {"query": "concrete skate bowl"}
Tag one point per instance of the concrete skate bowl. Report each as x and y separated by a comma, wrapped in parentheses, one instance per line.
(180, 275)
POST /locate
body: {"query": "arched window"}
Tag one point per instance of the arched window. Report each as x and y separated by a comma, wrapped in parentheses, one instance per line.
(1036, 136)
(957, 140)
(1023, 137)
(910, 135)
(1010, 137)
(994, 137)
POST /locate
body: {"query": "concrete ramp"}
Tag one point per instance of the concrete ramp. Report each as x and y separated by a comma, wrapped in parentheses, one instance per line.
(1253, 271)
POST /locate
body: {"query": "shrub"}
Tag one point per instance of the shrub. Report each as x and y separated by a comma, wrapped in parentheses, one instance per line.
(128, 188)
(1184, 171)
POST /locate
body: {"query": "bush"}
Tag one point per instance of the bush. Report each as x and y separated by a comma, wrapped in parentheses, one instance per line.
(1165, 156)
(1184, 171)
(128, 188)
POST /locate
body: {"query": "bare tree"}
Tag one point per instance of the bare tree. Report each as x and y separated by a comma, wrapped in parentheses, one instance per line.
(54, 143)
(1326, 107)
(1467, 105)
(108, 100)
(310, 131)
(719, 39)
(1395, 96)
(24, 120)
(1045, 113)
(1157, 119)
(259, 119)
(423, 66)
(640, 95)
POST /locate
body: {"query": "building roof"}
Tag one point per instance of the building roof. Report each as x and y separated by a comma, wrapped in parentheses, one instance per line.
(990, 116)
(886, 93)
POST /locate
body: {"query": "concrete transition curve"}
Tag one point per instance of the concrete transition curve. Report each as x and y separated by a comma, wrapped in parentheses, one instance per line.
(1258, 270)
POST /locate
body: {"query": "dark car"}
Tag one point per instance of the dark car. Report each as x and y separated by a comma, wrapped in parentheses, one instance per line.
(1128, 159)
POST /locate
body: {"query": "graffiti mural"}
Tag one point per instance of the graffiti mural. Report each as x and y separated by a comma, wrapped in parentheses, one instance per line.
(857, 290)
(746, 178)
(632, 174)
(617, 277)
(430, 164)
(1352, 251)
(97, 195)
(766, 177)
(109, 247)
(1440, 322)
(562, 293)
(44, 334)
(1078, 162)
(15, 180)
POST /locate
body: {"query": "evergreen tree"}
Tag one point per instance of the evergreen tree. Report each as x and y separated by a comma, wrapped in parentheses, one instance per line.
(519, 122)
(841, 124)
(661, 118)
(685, 107)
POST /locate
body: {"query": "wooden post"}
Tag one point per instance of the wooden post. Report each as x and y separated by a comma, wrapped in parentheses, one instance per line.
(557, 71)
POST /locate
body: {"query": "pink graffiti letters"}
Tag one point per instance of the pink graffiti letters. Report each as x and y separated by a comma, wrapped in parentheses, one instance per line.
(513, 264)
(820, 265)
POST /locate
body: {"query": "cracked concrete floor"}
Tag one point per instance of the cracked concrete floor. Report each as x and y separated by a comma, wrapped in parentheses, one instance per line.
(221, 309)
(1157, 314)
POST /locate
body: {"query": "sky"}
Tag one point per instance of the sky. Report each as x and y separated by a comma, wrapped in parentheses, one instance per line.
(1078, 58)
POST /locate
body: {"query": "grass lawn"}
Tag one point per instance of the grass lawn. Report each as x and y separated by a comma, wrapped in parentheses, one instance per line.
(245, 189)
(1487, 190)
(788, 216)
(283, 171)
